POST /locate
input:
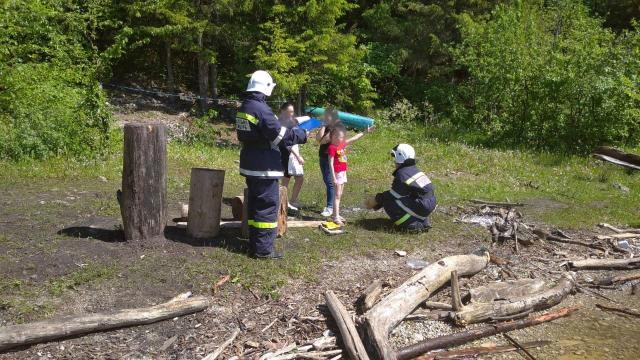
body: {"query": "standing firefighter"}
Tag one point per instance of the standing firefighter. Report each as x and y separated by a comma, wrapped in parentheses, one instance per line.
(261, 134)
(410, 199)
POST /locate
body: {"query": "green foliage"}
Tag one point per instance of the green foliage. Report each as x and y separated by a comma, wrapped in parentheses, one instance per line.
(309, 53)
(550, 77)
(51, 102)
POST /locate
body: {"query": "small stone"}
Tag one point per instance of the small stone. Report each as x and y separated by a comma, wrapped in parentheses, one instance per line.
(401, 253)
(252, 344)
(197, 325)
(621, 187)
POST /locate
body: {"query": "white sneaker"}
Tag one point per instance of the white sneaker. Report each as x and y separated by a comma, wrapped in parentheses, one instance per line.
(292, 207)
(327, 212)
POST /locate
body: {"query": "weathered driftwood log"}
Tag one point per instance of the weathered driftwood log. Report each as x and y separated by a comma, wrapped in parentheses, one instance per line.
(143, 200)
(605, 264)
(622, 310)
(348, 332)
(628, 235)
(478, 312)
(370, 296)
(463, 337)
(282, 211)
(617, 230)
(43, 331)
(612, 280)
(214, 355)
(615, 156)
(546, 236)
(205, 202)
(505, 290)
(473, 352)
(385, 315)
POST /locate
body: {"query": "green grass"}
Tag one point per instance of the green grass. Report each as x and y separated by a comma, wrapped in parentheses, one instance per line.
(570, 192)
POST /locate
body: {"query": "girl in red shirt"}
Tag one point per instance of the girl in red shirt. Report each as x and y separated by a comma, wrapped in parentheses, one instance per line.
(338, 163)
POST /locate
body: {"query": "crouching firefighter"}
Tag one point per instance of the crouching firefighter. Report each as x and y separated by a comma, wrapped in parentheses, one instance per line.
(411, 199)
(261, 134)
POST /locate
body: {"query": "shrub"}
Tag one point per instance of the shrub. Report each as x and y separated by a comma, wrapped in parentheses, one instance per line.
(550, 77)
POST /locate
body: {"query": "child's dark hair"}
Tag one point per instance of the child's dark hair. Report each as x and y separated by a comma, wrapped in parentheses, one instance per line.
(285, 105)
(339, 128)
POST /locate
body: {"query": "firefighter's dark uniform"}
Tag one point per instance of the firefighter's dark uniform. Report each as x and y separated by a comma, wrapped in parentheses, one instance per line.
(411, 198)
(261, 134)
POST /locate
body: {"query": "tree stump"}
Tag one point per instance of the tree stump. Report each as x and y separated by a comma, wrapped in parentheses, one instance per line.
(237, 207)
(244, 228)
(143, 201)
(205, 202)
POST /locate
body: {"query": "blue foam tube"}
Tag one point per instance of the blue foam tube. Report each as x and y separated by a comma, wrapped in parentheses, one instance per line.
(352, 120)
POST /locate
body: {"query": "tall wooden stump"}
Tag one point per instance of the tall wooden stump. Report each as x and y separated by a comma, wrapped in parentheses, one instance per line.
(205, 202)
(143, 202)
(282, 213)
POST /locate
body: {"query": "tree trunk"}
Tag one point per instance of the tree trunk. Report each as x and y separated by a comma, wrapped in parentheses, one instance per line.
(43, 331)
(464, 337)
(282, 211)
(348, 332)
(203, 76)
(143, 201)
(205, 202)
(213, 80)
(479, 312)
(171, 83)
(385, 315)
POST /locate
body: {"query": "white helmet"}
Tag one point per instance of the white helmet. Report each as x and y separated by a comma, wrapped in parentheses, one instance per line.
(262, 82)
(402, 152)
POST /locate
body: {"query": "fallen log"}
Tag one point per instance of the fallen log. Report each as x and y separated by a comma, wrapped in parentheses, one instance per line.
(348, 332)
(370, 296)
(605, 264)
(632, 312)
(612, 280)
(214, 355)
(627, 235)
(402, 301)
(505, 290)
(473, 352)
(43, 331)
(546, 236)
(617, 230)
(478, 312)
(615, 156)
(463, 337)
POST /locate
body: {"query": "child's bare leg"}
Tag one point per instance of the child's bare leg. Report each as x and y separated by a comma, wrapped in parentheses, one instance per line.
(336, 203)
(297, 185)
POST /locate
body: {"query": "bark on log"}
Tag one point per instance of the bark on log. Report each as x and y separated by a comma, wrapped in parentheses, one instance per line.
(463, 337)
(143, 200)
(348, 332)
(479, 312)
(244, 229)
(612, 280)
(205, 202)
(505, 290)
(370, 296)
(546, 236)
(615, 156)
(43, 331)
(384, 316)
(237, 207)
(605, 264)
(282, 211)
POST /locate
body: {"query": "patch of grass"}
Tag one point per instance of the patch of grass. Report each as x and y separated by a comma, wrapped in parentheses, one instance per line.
(89, 274)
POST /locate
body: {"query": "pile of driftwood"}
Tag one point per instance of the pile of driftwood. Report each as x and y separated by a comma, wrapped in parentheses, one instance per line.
(509, 305)
(322, 348)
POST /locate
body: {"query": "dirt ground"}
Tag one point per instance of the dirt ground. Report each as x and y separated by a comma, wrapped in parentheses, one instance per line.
(50, 231)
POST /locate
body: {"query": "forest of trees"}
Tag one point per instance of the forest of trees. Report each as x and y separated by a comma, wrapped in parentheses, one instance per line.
(548, 74)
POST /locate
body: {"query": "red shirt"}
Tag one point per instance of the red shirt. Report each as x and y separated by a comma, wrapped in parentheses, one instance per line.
(339, 154)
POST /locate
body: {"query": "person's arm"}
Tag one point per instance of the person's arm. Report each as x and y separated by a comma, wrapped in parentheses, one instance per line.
(333, 171)
(271, 128)
(297, 155)
(320, 133)
(359, 136)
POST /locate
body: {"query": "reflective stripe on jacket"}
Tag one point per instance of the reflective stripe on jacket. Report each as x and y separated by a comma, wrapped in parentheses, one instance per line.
(413, 195)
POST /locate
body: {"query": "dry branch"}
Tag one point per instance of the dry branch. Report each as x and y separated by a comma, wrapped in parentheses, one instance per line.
(626, 235)
(546, 236)
(370, 296)
(350, 338)
(622, 310)
(618, 279)
(214, 355)
(473, 352)
(385, 315)
(463, 337)
(617, 230)
(43, 331)
(478, 312)
(605, 264)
